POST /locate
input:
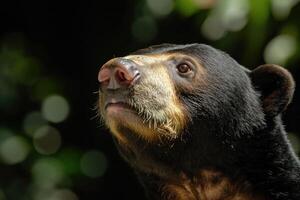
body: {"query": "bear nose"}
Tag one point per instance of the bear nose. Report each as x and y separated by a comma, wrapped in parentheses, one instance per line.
(118, 73)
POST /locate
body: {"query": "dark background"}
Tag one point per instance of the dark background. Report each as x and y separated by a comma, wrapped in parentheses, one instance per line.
(56, 48)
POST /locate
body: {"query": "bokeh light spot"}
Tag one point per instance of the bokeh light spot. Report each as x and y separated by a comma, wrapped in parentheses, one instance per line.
(55, 108)
(47, 172)
(212, 28)
(14, 150)
(160, 8)
(32, 122)
(280, 49)
(47, 140)
(281, 9)
(93, 164)
(55, 194)
(234, 14)
(227, 15)
(144, 29)
(2, 195)
(63, 194)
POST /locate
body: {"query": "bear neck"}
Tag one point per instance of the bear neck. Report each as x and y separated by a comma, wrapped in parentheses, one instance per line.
(202, 156)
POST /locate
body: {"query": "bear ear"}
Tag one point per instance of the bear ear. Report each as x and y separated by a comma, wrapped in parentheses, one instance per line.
(276, 86)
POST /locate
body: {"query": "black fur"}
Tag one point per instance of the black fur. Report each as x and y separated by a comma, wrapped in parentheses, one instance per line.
(231, 130)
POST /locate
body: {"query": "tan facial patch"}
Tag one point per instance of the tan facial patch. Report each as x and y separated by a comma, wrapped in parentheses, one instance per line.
(159, 113)
(159, 59)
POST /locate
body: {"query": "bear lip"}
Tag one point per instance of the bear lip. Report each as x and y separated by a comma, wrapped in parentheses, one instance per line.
(117, 103)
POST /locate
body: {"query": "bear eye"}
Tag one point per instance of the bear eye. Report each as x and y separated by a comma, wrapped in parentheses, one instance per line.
(183, 68)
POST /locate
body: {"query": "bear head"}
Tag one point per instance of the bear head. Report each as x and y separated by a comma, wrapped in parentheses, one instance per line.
(160, 101)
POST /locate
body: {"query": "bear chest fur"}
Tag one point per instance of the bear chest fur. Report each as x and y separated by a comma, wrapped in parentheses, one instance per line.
(208, 185)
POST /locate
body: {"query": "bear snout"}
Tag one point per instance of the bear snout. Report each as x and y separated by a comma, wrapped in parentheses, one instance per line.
(118, 73)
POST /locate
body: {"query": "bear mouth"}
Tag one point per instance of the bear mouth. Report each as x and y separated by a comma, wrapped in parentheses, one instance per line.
(126, 107)
(146, 109)
(119, 107)
(119, 104)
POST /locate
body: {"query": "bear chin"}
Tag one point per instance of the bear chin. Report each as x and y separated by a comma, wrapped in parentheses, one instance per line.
(120, 114)
(120, 117)
(119, 110)
(125, 122)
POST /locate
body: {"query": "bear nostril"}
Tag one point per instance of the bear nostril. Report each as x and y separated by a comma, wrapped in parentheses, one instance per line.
(104, 75)
(123, 76)
(118, 73)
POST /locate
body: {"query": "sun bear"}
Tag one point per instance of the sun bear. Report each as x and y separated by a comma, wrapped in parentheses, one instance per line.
(196, 125)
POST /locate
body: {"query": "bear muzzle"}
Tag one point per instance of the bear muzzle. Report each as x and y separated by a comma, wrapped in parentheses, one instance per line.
(118, 73)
